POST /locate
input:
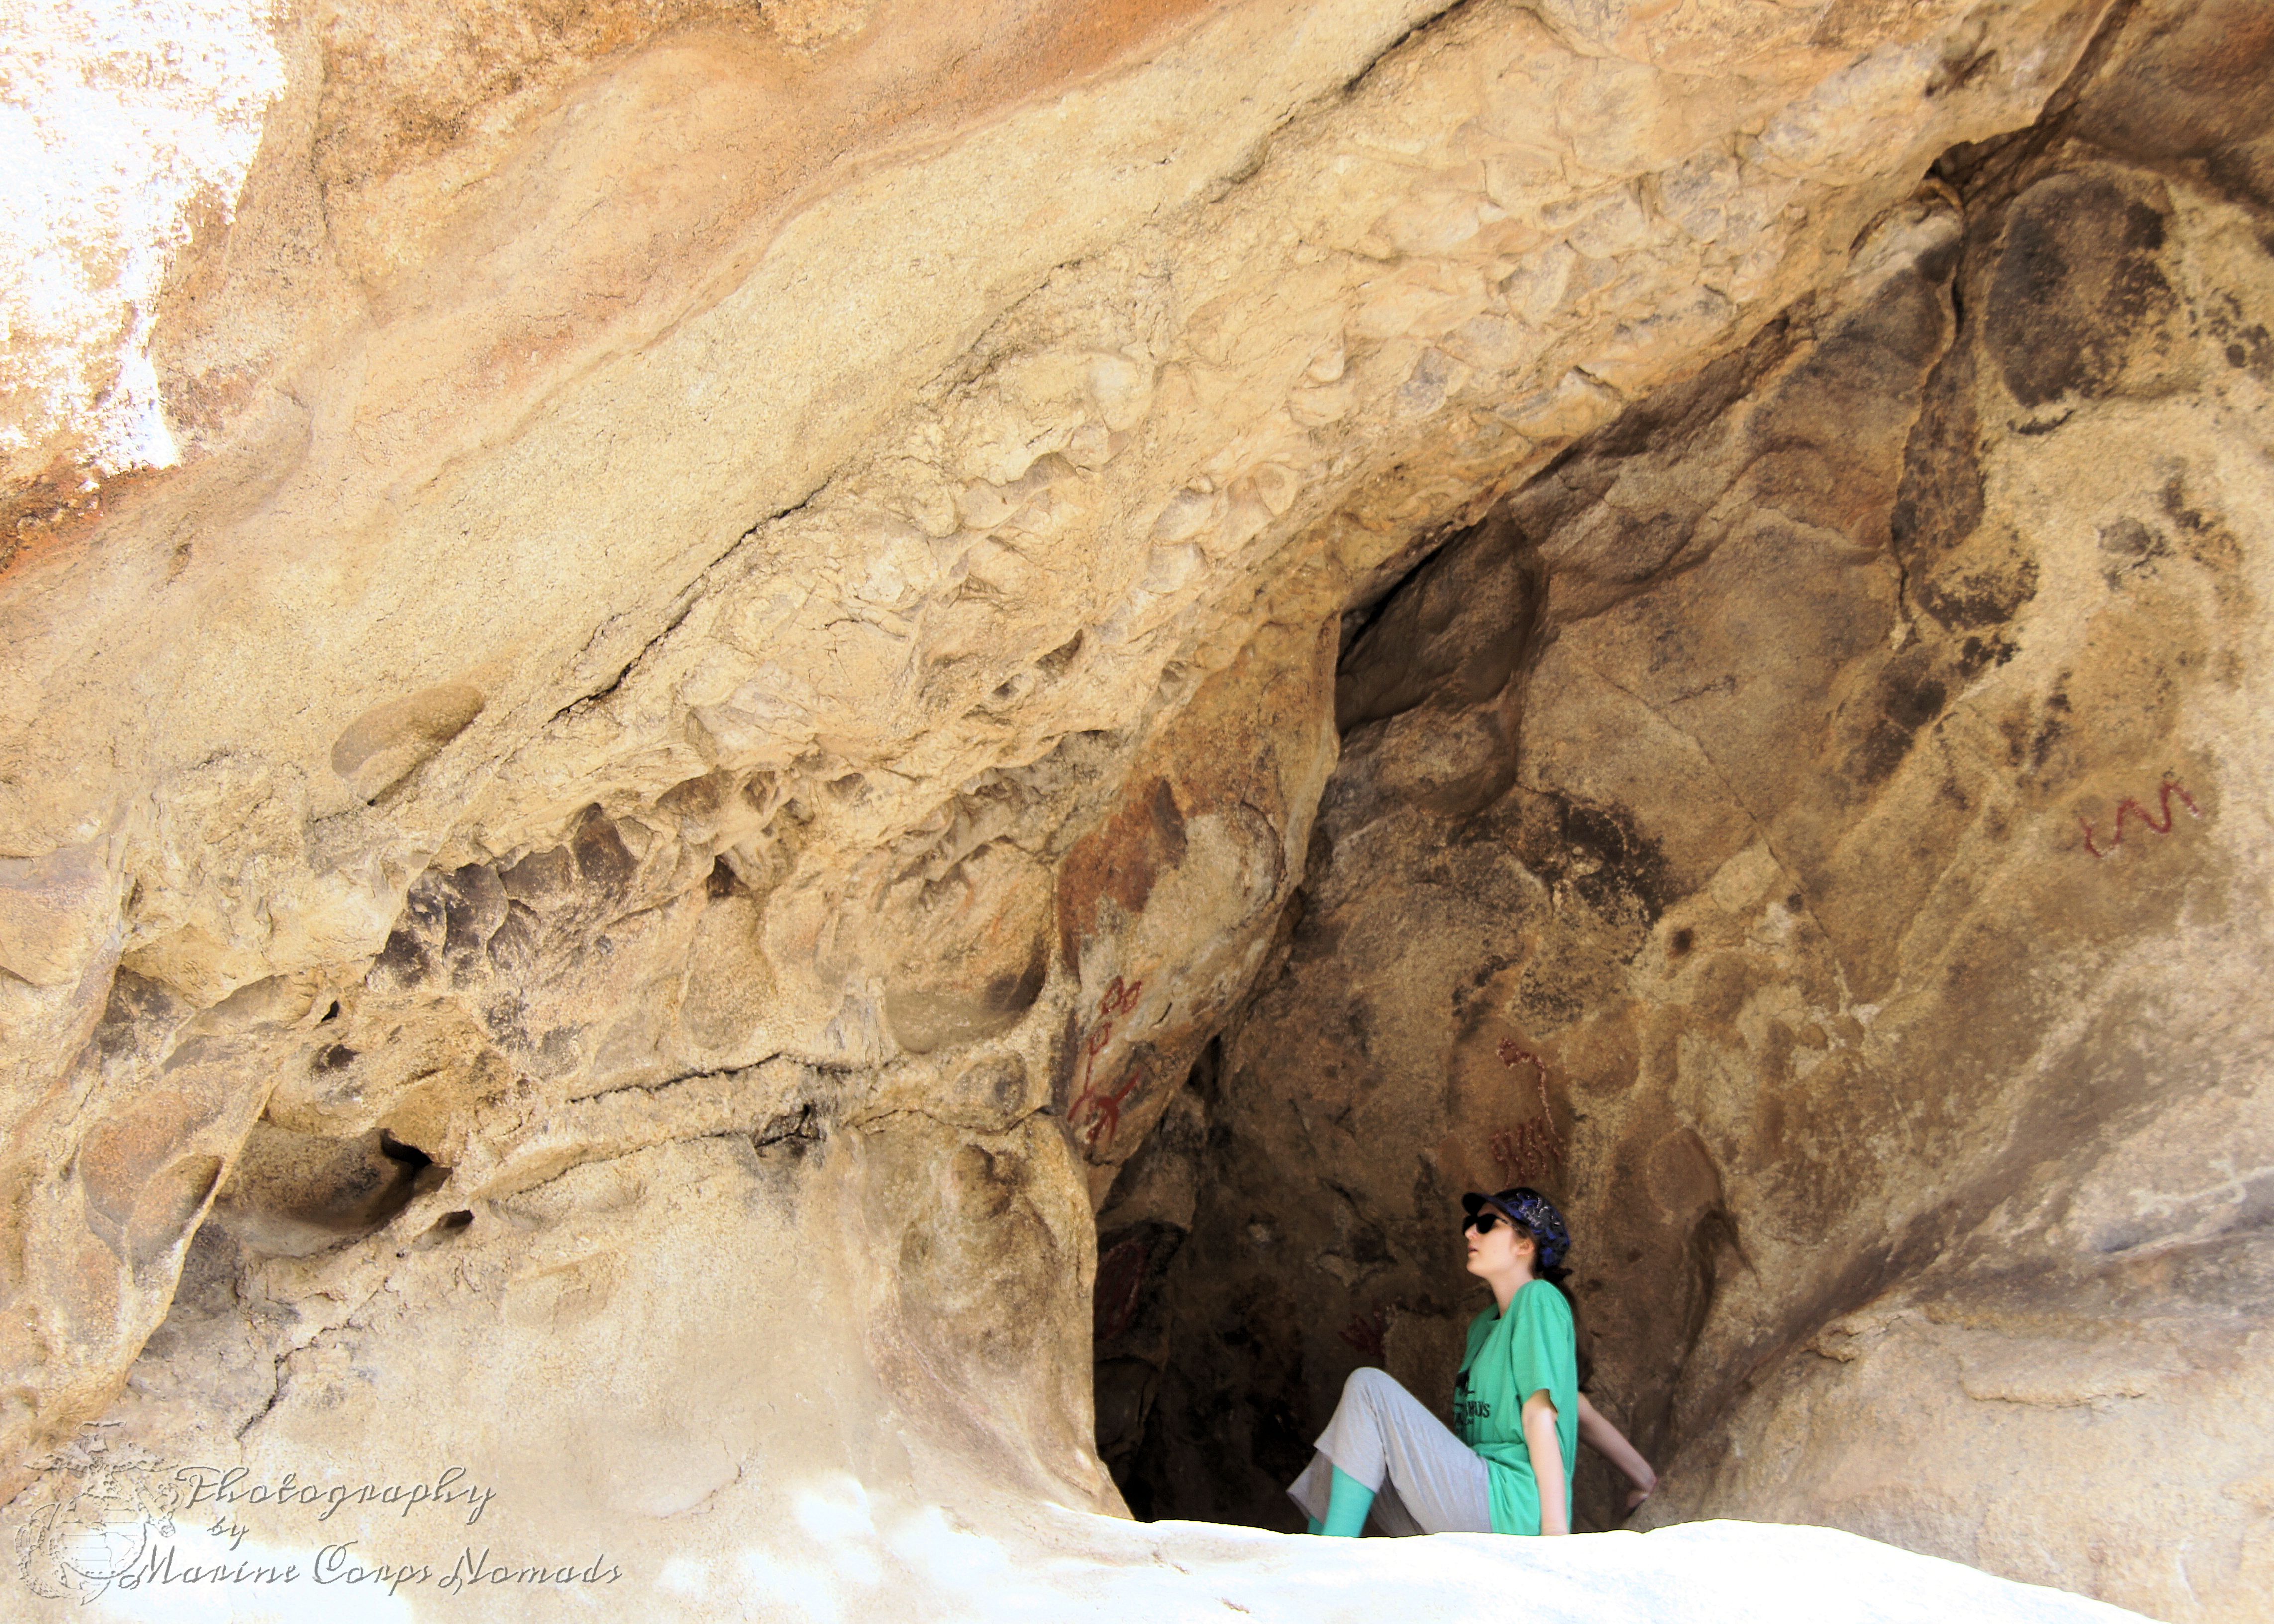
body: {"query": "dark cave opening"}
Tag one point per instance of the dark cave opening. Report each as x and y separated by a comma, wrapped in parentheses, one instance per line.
(1238, 1283)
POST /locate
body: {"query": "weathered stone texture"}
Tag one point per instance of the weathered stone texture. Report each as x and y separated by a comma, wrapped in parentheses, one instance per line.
(1768, 905)
(799, 645)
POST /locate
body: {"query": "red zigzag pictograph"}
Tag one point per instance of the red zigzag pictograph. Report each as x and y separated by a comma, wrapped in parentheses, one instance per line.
(2129, 807)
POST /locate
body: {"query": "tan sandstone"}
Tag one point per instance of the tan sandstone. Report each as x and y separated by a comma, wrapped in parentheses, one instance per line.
(777, 622)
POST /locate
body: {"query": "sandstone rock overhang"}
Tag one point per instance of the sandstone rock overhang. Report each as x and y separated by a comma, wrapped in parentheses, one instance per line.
(798, 656)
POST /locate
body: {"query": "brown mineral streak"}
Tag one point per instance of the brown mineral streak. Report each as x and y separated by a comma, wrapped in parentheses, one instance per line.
(1120, 861)
(801, 126)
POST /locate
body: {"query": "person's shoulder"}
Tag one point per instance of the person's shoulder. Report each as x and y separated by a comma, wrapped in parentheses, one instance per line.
(1541, 1296)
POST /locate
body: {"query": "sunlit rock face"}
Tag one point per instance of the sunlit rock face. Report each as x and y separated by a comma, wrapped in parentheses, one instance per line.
(774, 623)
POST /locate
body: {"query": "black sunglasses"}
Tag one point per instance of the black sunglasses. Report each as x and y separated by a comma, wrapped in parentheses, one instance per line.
(1483, 1223)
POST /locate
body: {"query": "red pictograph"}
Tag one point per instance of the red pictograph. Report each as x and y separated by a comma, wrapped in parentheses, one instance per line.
(1367, 1333)
(1105, 1119)
(1118, 1000)
(1120, 1279)
(1513, 1055)
(1102, 1107)
(1527, 1151)
(1532, 1149)
(2130, 807)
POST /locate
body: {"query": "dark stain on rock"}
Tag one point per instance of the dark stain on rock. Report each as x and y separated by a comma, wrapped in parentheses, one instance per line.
(1119, 861)
(541, 877)
(2205, 538)
(137, 1012)
(2051, 731)
(1452, 633)
(1978, 655)
(473, 906)
(2078, 285)
(605, 863)
(1986, 598)
(1860, 383)
(513, 946)
(403, 959)
(2245, 345)
(1908, 697)
(1938, 500)
(2132, 548)
(1013, 993)
(696, 797)
(1911, 698)
(1598, 853)
(2194, 81)
(1874, 746)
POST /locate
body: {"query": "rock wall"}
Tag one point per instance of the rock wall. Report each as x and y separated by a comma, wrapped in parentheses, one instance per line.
(1807, 830)
(739, 678)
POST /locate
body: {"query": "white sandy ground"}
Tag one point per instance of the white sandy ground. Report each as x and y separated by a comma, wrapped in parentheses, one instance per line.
(844, 1563)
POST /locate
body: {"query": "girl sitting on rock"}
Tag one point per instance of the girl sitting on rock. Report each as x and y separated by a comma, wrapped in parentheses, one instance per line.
(1517, 1405)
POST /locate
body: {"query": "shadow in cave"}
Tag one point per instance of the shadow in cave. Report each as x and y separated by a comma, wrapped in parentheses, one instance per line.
(1599, 756)
(292, 1195)
(1295, 1216)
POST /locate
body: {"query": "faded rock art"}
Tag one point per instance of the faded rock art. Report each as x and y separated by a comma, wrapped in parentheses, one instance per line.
(2158, 822)
(1531, 1150)
(1096, 1113)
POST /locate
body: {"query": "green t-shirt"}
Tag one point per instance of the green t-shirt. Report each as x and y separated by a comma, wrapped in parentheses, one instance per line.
(1511, 1358)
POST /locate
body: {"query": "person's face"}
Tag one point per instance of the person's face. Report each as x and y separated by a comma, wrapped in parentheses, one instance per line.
(1499, 1250)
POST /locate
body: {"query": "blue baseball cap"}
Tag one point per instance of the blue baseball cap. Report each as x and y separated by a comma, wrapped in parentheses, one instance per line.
(1533, 1212)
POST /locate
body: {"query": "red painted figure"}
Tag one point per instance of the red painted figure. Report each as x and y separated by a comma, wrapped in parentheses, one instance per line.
(1367, 1333)
(1104, 1109)
(1531, 1149)
(2129, 807)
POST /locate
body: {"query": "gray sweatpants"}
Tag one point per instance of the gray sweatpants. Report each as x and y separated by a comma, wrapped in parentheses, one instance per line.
(1425, 1480)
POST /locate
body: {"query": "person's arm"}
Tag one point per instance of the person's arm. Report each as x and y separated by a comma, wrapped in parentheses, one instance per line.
(1547, 1449)
(1607, 1440)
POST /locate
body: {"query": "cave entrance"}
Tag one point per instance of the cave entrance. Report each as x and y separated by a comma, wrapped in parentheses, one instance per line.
(1649, 874)
(1450, 993)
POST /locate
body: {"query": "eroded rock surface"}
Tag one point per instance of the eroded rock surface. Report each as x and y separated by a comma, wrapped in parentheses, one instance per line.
(1726, 839)
(777, 623)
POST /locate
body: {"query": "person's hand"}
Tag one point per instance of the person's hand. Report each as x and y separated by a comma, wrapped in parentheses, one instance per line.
(1641, 1491)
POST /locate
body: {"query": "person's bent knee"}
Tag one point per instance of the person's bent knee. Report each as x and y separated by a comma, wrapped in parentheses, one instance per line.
(1366, 1379)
